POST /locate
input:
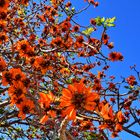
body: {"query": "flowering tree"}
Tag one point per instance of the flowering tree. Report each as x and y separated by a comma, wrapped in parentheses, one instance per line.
(49, 84)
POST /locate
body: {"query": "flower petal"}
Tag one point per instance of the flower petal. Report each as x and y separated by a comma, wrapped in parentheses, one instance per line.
(44, 119)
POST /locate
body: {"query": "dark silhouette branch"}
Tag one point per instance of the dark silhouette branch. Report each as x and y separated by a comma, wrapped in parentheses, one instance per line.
(131, 132)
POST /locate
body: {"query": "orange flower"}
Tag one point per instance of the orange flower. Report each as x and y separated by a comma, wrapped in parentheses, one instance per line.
(105, 38)
(75, 28)
(17, 89)
(103, 126)
(42, 17)
(50, 113)
(26, 107)
(120, 117)
(65, 26)
(44, 119)
(17, 74)
(46, 99)
(65, 71)
(32, 37)
(57, 42)
(97, 85)
(2, 64)
(22, 46)
(110, 45)
(25, 2)
(42, 42)
(2, 25)
(79, 41)
(107, 112)
(115, 56)
(114, 134)
(100, 75)
(54, 29)
(17, 100)
(51, 10)
(77, 97)
(42, 64)
(3, 37)
(25, 50)
(4, 4)
(26, 82)
(6, 78)
(29, 52)
(86, 125)
(118, 127)
(3, 14)
(56, 2)
(13, 74)
(93, 21)
(131, 80)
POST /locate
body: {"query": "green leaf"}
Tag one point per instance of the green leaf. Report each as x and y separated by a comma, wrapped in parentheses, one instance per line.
(73, 8)
(110, 25)
(109, 22)
(59, 54)
(99, 20)
(102, 20)
(90, 136)
(67, 9)
(88, 31)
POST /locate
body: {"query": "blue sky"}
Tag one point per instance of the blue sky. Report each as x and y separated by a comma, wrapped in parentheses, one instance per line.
(126, 35)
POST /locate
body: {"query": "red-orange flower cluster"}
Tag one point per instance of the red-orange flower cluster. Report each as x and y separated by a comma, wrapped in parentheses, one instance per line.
(78, 97)
(115, 56)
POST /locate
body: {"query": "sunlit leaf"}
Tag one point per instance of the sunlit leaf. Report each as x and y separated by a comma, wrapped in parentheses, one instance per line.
(88, 31)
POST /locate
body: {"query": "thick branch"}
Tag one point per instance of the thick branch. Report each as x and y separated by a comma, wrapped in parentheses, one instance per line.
(62, 130)
(4, 103)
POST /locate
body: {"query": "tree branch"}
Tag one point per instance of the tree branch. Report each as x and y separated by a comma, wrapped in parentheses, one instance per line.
(131, 132)
(62, 130)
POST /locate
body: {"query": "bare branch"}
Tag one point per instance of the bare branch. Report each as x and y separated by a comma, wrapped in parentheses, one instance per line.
(62, 130)
(131, 132)
(4, 103)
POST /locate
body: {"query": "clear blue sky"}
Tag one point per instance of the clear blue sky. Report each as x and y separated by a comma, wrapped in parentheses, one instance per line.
(126, 34)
